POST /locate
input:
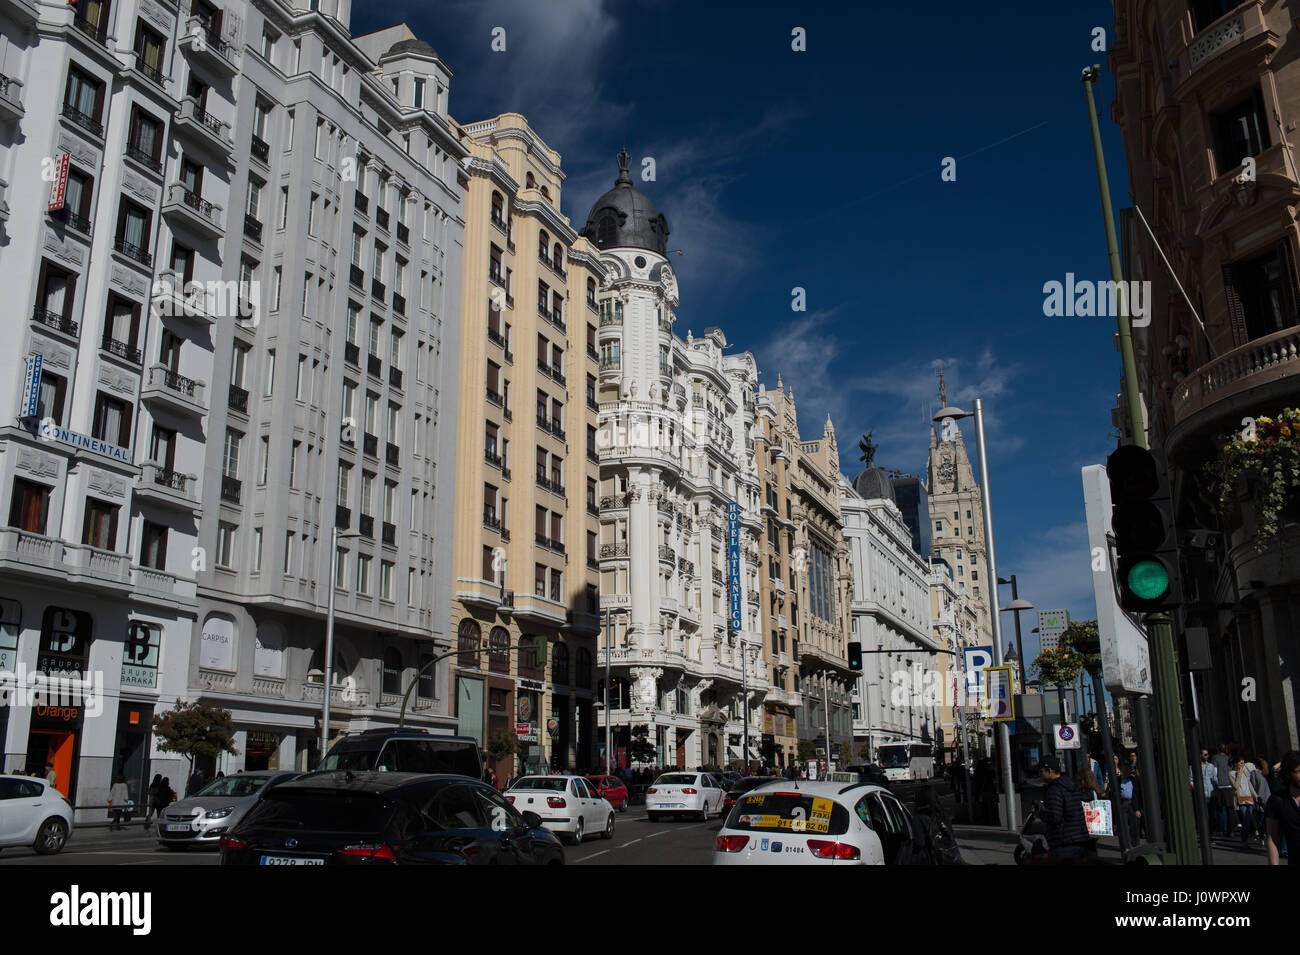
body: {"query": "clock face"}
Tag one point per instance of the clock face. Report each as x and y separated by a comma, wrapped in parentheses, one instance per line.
(947, 470)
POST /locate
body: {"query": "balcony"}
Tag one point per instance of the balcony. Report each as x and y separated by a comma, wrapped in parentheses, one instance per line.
(592, 353)
(667, 555)
(133, 252)
(342, 699)
(200, 41)
(491, 457)
(238, 399)
(259, 149)
(392, 455)
(366, 525)
(494, 398)
(180, 394)
(96, 30)
(495, 337)
(378, 290)
(556, 318)
(388, 533)
(83, 121)
(71, 220)
(166, 487)
(356, 276)
(55, 321)
(122, 350)
(352, 354)
(686, 567)
(173, 297)
(551, 426)
(718, 577)
(342, 517)
(612, 502)
(536, 608)
(252, 228)
(370, 446)
(403, 233)
(553, 372)
(231, 489)
(381, 218)
(553, 485)
(613, 551)
(11, 98)
(197, 125)
(361, 202)
(399, 304)
(550, 543)
(151, 73)
(375, 366)
(490, 520)
(611, 318)
(191, 210)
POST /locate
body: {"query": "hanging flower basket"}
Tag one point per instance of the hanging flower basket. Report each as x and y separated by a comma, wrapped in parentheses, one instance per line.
(1266, 460)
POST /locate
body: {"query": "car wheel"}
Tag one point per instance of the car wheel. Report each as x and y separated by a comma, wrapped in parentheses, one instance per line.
(51, 837)
(622, 807)
(609, 828)
(577, 833)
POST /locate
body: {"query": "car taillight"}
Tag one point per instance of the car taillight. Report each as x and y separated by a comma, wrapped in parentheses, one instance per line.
(230, 842)
(730, 843)
(833, 850)
(556, 802)
(650, 790)
(689, 791)
(379, 851)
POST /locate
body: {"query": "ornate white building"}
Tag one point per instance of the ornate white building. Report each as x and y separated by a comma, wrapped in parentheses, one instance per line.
(674, 445)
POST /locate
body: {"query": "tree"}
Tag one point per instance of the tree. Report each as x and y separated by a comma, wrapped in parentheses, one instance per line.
(846, 753)
(641, 750)
(1082, 637)
(1061, 666)
(195, 729)
(807, 750)
(501, 745)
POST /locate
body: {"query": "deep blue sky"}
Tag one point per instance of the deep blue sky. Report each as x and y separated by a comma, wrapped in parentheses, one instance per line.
(821, 169)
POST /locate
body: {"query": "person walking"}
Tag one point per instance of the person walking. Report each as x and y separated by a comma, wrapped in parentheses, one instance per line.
(195, 783)
(50, 776)
(1067, 832)
(1245, 795)
(1282, 813)
(118, 799)
(1130, 802)
(1223, 795)
(1209, 785)
(153, 799)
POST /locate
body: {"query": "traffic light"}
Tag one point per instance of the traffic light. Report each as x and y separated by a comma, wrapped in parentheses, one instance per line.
(855, 657)
(1146, 542)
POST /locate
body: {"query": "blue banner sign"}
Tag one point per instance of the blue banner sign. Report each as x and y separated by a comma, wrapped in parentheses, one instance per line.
(32, 387)
(733, 562)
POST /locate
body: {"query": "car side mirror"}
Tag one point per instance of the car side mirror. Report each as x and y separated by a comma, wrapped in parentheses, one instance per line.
(532, 820)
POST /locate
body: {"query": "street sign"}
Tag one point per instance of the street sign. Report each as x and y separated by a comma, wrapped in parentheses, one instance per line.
(999, 700)
(977, 658)
(1067, 735)
(1125, 663)
(523, 729)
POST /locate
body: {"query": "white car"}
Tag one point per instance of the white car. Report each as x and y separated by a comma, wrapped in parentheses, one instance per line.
(795, 822)
(700, 794)
(567, 805)
(33, 813)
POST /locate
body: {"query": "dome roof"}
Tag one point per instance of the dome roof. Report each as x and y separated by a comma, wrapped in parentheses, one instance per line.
(873, 484)
(624, 218)
(411, 46)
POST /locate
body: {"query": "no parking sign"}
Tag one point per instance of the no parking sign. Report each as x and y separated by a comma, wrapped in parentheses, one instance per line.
(1067, 735)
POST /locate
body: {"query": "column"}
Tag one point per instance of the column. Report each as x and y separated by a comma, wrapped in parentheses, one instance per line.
(643, 558)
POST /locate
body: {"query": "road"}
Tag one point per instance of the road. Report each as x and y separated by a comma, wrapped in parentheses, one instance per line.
(637, 841)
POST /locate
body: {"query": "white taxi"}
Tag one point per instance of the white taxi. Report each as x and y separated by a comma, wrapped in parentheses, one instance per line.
(795, 822)
(700, 794)
(567, 805)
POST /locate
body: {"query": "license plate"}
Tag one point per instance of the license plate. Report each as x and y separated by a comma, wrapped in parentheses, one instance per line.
(290, 860)
(178, 827)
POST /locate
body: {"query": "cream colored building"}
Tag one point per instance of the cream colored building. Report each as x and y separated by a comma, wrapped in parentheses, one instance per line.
(955, 628)
(526, 475)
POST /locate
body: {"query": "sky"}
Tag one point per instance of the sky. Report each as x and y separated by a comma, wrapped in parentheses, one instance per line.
(821, 170)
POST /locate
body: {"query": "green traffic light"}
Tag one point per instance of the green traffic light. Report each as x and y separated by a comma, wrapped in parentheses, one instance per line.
(1148, 580)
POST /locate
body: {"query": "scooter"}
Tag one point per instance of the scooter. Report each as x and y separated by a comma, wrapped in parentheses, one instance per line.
(1033, 849)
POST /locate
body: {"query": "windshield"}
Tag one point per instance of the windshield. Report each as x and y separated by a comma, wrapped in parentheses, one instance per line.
(357, 760)
(234, 786)
(537, 782)
(320, 811)
(753, 782)
(676, 779)
(789, 812)
(892, 757)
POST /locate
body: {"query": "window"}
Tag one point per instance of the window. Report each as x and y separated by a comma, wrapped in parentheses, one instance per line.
(418, 96)
(49, 403)
(311, 213)
(55, 294)
(1205, 12)
(112, 420)
(270, 370)
(363, 574)
(29, 507)
(1261, 294)
(395, 350)
(386, 580)
(230, 455)
(133, 230)
(340, 568)
(375, 327)
(264, 458)
(1240, 132)
(268, 46)
(320, 139)
(145, 138)
(77, 198)
(257, 550)
(84, 98)
(300, 389)
(99, 529)
(295, 451)
(276, 282)
(345, 484)
(288, 552)
(390, 502)
(282, 217)
(225, 544)
(254, 204)
(349, 399)
(367, 493)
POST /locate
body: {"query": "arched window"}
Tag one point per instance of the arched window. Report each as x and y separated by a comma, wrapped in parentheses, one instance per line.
(316, 672)
(543, 246)
(499, 640)
(557, 257)
(583, 677)
(560, 674)
(546, 193)
(498, 209)
(392, 671)
(607, 229)
(591, 292)
(468, 637)
(530, 181)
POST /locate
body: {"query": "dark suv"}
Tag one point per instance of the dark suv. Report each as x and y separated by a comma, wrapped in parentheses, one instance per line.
(349, 818)
(405, 750)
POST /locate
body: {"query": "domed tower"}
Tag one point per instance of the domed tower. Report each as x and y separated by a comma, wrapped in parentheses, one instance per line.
(624, 218)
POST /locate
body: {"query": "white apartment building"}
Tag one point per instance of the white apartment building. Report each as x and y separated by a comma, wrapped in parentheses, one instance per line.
(241, 192)
(675, 448)
(891, 618)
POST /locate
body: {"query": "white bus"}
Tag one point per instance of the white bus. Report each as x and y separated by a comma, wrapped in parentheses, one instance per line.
(905, 760)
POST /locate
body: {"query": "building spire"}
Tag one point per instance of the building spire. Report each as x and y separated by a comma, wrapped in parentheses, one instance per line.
(624, 179)
(943, 388)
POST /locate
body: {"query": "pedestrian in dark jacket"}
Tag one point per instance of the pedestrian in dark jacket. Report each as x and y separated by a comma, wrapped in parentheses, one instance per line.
(1067, 833)
(156, 799)
(1130, 802)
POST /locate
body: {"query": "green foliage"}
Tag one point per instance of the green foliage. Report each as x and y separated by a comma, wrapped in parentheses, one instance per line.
(195, 729)
(501, 744)
(1268, 455)
(807, 750)
(1060, 667)
(846, 753)
(1082, 637)
(641, 750)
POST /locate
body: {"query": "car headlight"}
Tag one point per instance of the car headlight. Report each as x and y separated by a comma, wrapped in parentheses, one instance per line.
(219, 813)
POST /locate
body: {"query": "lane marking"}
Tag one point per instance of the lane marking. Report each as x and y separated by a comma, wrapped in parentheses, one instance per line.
(592, 856)
(626, 844)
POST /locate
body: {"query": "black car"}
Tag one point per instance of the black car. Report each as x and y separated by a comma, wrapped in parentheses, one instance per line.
(405, 750)
(744, 785)
(378, 818)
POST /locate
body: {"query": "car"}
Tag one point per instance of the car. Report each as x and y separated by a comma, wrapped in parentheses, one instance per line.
(681, 793)
(610, 788)
(796, 822)
(405, 750)
(744, 785)
(388, 818)
(33, 813)
(566, 804)
(729, 778)
(202, 819)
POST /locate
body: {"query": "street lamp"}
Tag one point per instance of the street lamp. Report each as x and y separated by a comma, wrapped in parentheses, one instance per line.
(1017, 604)
(1004, 732)
(335, 537)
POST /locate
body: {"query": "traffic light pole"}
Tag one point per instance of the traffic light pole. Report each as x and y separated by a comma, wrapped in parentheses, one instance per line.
(1160, 641)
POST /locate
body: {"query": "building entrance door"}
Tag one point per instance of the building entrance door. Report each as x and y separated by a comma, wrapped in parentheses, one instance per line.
(52, 746)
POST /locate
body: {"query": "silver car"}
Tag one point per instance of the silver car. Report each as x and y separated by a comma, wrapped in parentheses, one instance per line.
(202, 819)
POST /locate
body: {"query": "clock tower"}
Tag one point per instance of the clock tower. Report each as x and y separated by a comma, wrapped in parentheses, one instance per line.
(957, 512)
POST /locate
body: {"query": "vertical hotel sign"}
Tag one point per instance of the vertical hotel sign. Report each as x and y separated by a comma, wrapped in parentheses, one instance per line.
(59, 188)
(32, 387)
(733, 561)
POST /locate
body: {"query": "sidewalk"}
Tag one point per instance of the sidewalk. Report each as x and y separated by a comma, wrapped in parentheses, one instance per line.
(989, 845)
